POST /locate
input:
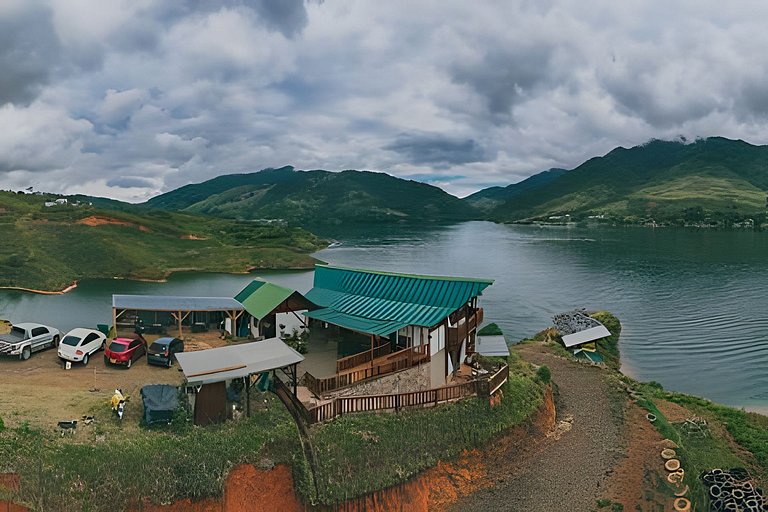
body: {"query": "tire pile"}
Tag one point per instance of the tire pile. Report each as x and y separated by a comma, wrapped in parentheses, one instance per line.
(733, 491)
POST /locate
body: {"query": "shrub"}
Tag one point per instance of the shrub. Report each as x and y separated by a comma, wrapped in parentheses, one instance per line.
(2, 425)
(543, 374)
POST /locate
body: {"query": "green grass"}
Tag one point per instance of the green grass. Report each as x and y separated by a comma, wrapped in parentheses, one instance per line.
(490, 330)
(47, 249)
(699, 454)
(367, 452)
(162, 464)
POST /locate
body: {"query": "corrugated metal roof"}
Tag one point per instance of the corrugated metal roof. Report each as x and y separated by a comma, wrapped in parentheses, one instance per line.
(592, 334)
(356, 323)
(170, 303)
(403, 299)
(492, 346)
(260, 298)
(225, 363)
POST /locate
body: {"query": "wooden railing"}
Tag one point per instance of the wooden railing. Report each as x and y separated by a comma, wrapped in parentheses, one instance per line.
(353, 404)
(346, 363)
(488, 385)
(391, 363)
(459, 333)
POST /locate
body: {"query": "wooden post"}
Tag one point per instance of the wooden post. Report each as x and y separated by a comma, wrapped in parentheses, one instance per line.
(371, 350)
(295, 380)
(114, 320)
(248, 396)
(179, 323)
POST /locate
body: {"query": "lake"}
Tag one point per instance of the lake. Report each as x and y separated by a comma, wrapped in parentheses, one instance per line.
(692, 303)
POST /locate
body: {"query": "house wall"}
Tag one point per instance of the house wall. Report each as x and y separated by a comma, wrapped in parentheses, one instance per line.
(437, 343)
(289, 320)
(437, 369)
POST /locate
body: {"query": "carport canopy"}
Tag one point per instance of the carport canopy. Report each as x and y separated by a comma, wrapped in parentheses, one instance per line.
(179, 307)
(237, 361)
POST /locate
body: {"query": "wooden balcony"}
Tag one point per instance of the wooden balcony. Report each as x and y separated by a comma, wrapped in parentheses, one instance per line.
(349, 362)
(459, 333)
(384, 365)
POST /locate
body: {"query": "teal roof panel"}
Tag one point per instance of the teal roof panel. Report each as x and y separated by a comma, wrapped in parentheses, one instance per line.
(356, 323)
(260, 298)
(407, 299)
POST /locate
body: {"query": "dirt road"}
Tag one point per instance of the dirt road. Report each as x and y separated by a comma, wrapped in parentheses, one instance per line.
(40, 391)
(569, 470)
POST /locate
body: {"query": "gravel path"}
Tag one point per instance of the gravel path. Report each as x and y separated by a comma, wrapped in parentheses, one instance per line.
(565, 474)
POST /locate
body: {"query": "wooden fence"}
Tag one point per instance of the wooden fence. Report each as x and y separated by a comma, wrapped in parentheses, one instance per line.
(485, 386)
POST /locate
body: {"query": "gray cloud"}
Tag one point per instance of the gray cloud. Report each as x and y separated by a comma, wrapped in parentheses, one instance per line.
(128, 99)
(28, 53)
(437, 149)
(130, 182)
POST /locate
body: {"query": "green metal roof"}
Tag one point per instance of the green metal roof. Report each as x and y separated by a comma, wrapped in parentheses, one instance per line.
(259, 298)
(382, 302)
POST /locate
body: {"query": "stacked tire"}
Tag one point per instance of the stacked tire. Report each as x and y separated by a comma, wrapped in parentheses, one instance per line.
(733, 491)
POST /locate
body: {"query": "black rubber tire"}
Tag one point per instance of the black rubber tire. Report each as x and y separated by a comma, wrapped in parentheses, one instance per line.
(85, 360)
(106, 360)
(55, 342)
(130, 362)
(103, 345)
(26, 353)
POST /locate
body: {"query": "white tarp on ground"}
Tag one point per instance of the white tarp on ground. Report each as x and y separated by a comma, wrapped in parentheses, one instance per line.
(585, 336)
(225, 363)
(492, 346)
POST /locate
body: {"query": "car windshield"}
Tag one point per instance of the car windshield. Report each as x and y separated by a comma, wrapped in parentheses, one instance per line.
(72, 341)
(157, 348)
(18, 331)
(117, 347)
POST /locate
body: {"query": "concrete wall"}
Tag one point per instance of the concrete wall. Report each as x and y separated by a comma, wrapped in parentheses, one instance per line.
(438, 369)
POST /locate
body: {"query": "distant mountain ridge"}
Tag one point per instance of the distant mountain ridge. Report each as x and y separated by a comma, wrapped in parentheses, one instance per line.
(317, 197)
(671, 180)
(490, 198)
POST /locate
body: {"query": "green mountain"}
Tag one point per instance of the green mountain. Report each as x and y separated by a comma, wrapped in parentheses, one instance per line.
(709, 179)
(46, 248)
(490, 198)
(316, 198)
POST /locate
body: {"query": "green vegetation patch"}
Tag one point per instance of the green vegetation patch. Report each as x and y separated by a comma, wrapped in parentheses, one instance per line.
(48, 248)
(361, 453)
(116, 467)
(490, 330)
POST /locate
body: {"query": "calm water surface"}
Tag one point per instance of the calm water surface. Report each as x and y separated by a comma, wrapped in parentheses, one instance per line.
(692, 303)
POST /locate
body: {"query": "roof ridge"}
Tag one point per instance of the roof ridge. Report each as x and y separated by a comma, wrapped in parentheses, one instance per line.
(402, 274)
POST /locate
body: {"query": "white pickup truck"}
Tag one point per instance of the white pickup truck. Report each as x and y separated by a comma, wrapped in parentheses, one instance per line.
(27, 338)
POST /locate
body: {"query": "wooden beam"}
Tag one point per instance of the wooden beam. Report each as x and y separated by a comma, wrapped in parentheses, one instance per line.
(218, 370)
(114, 320)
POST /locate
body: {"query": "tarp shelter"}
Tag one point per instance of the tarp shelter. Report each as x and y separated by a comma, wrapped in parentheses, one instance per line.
(380, 303)
(178, 307)
(492, 346)
(215, 366)
(160, 403)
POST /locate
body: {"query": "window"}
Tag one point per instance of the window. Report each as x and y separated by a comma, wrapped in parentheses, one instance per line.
(134, 344)
(117, 347)
(39, 331)
(90, 338)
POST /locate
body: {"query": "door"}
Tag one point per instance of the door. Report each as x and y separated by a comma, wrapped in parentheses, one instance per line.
(211, 404)
(91, 343)
(41, 338)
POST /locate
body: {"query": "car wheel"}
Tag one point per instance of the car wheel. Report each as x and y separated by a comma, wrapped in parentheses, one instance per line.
(85, 359)
(55, 341)
(103, 345)
(170, 361)
(106, 360)
(26, 352)
(130, 362)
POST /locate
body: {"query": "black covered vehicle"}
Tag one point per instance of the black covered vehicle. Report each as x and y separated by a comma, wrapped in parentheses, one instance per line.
(163, 351)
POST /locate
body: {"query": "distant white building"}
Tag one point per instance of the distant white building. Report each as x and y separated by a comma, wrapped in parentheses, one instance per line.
(61, 201)
(48, 204)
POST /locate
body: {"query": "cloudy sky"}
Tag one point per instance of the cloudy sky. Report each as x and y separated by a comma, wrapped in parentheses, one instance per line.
(130, 98)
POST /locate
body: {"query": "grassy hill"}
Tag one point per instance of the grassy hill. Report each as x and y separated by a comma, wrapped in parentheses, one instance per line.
(48, 248)
(490, 198)
(710, 179)
(312, 198)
